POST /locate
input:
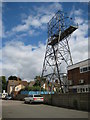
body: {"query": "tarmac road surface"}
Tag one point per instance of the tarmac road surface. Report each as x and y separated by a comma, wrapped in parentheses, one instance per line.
(17, 109)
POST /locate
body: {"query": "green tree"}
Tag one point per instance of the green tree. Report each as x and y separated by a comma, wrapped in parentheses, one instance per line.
(0, 84)
(4, 83)
(33, 88)
(38, 80)
(13, 78)
(37, 85)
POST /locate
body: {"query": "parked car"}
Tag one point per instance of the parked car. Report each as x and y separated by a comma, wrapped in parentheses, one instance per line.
(4, 95)
(34, 98)
(8, 97)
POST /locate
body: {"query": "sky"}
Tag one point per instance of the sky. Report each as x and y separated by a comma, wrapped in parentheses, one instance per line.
(24, 35)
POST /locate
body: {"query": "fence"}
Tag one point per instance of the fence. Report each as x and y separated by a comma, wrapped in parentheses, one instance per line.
(24, 94)
(78, 101)
(35, 92)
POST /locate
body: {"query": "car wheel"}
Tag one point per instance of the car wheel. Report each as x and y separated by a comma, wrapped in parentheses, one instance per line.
(25, 102)
(30, 102)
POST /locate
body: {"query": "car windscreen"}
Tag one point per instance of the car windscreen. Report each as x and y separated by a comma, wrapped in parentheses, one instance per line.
(37, 96)
(30, 95)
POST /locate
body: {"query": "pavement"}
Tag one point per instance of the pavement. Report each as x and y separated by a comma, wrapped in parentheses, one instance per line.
(17, 109)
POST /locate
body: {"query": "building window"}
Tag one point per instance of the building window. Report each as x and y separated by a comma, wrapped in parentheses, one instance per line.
(70, 82)
(88, 68)
(81, 70)
(81, 81)
(84, 69)
(86, 89)
(17, 88)
(80, 89)
(89, 89)
(83, 90)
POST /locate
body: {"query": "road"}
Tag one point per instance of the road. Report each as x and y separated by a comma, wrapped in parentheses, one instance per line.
(0, 109)
(17, 109)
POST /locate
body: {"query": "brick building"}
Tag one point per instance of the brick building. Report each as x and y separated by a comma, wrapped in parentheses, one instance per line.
(78, 77)
(14, 86)
(11, 85)
(31, 83)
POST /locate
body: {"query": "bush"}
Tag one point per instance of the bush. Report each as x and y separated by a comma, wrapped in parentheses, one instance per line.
(42, 89)
(34, 88)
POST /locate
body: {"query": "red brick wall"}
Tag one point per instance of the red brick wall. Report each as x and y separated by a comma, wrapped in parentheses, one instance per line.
(75, 76)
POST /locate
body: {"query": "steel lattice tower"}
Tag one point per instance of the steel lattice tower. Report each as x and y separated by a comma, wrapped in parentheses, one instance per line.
(60, 28)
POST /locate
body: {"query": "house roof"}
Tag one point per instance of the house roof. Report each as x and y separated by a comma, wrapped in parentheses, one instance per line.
(80, 64)
(15, 83)
(31, 83)
(25, 83)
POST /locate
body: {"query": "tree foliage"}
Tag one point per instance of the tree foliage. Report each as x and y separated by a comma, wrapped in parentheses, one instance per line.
(38, 80)
(4, 83)
(37, 85)
(13, 78)
(33, 88)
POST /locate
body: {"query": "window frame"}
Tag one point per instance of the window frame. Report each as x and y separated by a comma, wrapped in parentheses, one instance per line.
(82, 69)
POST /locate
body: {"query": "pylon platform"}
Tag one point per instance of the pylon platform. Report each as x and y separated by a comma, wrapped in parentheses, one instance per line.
(66, 33)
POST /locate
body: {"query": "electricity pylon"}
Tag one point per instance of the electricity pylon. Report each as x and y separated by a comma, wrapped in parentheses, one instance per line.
(60, 28)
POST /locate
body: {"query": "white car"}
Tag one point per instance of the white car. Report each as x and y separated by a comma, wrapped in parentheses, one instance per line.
(33, 98)
(4, 95)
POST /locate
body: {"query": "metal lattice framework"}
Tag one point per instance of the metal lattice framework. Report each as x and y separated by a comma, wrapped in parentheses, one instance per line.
(60, 28)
